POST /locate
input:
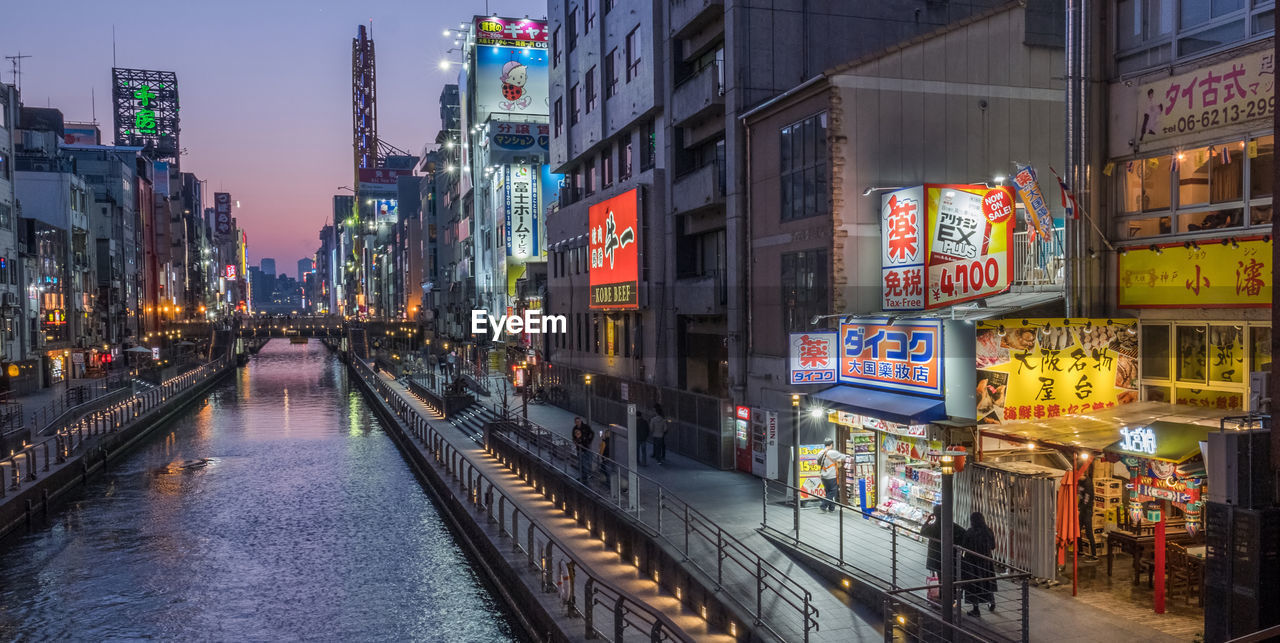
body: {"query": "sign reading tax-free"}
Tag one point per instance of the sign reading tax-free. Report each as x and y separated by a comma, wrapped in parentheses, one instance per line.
(613, 248)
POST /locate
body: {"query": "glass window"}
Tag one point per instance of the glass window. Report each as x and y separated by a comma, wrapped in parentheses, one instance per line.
(1260, 215)
(1131, 186)
(555, 47)
(804, 288)
(571, 29)
(803, 167)
(1209, 398)
(1260, 348)
(633, 54)
(1192, 356)
(1160, 17)
(1226, 354)
(1155, 351)
(1156, 394)
(573, 104)
(1128, 24)
(610, 74)
(1226, 172)
(606, 162)
(1261, 155)
(1156, 183)
(1210, 38)
(1193, 177)
(591, 89)
(1210, 220)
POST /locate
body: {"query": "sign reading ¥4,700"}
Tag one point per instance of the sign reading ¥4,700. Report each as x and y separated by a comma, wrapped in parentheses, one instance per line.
(906, 356)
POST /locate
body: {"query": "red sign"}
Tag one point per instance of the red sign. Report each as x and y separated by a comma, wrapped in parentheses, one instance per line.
(744, 412)
(382, 175)
(997, 205)
(511, 32)
(230, 271)
(613, 248)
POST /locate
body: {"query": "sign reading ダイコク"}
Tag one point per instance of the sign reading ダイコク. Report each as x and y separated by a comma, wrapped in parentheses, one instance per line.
(812, 357)
(1210, 275)
(1233, 91)
(906, 356)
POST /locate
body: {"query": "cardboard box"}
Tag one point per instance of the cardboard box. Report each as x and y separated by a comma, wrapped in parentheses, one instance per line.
(1107, 487)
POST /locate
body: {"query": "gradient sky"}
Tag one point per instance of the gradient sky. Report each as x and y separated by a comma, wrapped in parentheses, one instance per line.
(265, 88)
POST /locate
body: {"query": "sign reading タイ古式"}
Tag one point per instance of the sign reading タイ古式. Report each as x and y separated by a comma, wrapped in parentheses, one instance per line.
(1229, 92)
(812, 357)
(1212, 274)
(613, 251)
(906, 356)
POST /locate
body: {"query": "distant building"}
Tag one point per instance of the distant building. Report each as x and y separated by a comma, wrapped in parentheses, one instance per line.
(269, 267)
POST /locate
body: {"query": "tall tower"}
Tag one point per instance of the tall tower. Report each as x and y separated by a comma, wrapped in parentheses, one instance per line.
(364, 102)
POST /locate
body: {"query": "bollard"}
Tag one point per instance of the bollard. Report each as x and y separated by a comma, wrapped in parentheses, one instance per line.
(30, 454)
(46, 455)
(588, 604)
(17, 475)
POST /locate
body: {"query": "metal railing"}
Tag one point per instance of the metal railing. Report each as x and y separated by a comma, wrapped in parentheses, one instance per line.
(895, 559)
(74, 396)
(1039, 262)
(72, 438)
(752, 583)
(607, 612)
(904, 624)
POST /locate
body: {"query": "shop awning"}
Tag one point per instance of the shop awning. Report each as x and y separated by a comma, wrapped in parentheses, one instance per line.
(884, 405)
(1098, 430)
(1173, 441)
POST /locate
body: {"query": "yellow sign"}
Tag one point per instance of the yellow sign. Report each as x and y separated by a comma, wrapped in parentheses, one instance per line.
(1209, 275)
(1230, 92)
(13, 370)
(1048, 368)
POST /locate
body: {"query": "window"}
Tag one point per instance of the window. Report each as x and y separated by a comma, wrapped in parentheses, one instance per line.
(610, 74)
(804, 288)
(582, 329)
(606, 163)
(1261, 166)
(591, 15)
(559, 117)
(1203, 363)
(649, 146)
(595, 332)
(626, 335)
(571, 29)
(624, 159)
(573, 104)
(4, 166)
(6, 219)
(1148, 30)
(803, 168)
(608, 5)
(590, 180)
(633, 54)
(591, 89)
(555, 47)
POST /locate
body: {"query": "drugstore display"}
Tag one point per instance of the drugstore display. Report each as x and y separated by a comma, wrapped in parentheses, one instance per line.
(911, 482)
(860, 469)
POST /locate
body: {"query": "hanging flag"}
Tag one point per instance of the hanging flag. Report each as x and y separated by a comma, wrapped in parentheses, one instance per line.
(1226, 154)
(1073, 209)
(1110, 167)
(1037, 210)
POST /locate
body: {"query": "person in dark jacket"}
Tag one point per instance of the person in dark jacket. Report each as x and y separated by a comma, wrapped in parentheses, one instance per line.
(642, 439)
(981, 542)
(933, 531)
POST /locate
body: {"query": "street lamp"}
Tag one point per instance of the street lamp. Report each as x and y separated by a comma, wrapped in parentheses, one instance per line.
(587, 378)
(795, 457)
(524, 390)
(947, 520)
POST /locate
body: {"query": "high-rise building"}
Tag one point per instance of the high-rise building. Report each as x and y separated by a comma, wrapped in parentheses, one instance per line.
(306, 265)
(268, 267)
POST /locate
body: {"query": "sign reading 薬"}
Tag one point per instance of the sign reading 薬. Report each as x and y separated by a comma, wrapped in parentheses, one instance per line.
(812, 357)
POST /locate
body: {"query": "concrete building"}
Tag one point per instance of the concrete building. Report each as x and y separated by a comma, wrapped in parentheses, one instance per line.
(13, 339)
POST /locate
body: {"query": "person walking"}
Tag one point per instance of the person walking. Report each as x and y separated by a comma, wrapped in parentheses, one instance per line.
(978, 568)
(932, 530)
(658, 434)
(829, 460)
(606, 454)
(582, 438)
(642, 437)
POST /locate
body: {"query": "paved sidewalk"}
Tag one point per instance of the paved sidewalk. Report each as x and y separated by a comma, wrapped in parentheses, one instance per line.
(734, 500)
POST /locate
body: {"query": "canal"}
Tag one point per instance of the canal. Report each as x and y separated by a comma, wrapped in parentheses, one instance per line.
(279, 510)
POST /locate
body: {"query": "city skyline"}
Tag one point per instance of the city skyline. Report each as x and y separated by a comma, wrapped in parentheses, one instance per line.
(285, 198)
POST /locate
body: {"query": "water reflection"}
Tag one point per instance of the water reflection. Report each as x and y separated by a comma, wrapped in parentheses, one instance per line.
(278, 510)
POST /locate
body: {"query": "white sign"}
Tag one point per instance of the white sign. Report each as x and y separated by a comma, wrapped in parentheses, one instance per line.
(1141, 440)
(624, 392)
(902, 241)
(764, 443)
(155, 352)
(812, 357)
(521, 200)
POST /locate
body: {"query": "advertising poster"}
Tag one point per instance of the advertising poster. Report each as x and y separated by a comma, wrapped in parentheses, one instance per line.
(464, 148)
(520, 203)
(511, 81)
(1229, 92)
(810, 482)
(613, 250)
(812, 357)
(906, 356)
(385, 210)
(511, 32)
(902, 246)
(1048, 369)
(380, 179)
(222, 212)
(80, 135)
(550, 189)
(1038, 215)
(970, 239)
(1210, 275)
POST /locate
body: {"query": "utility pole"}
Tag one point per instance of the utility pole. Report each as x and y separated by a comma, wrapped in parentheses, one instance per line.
(16, 62)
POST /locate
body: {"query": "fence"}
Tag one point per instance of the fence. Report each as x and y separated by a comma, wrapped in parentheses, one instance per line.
(71, 438)
(781, 605)
(73, 398)
(894, 559)
(1038, 262)
(594, 598)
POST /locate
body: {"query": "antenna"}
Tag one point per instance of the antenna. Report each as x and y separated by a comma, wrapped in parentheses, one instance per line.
(113, 45)
(16, 62)
(93, 105)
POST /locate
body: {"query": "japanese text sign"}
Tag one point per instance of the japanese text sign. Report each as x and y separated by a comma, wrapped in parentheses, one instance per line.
(812, 357)
(613, 251)
(520, 192)
(902, 249)
(1229, 92)
(906, 356)
(1038, 214)
(510, 32)
(509, 141)
(222, 212)
(1048, 368)
(969, 243)
(1210, 275)
(230, 272)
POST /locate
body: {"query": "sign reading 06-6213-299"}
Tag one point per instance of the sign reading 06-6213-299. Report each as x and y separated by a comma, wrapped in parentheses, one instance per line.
(613, 250)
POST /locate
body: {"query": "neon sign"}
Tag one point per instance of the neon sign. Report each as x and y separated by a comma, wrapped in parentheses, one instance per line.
(1141, 440)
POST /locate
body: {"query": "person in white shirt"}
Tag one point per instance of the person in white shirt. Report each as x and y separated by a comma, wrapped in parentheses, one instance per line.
(829, 460)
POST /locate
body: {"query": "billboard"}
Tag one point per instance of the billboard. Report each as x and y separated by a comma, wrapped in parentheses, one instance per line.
(230, 272)
(510, 32)
(146, 109)
(1226, 273)
(1045, 368)
(613, 245)
(518, 142)
(385, 210)
(380, 179)
(511, 81)
(905, 356)
(222, 212)
(1226, 93)
(945, 244)
(550, 188)
(520, 198)
(81, 134)
(812, 357)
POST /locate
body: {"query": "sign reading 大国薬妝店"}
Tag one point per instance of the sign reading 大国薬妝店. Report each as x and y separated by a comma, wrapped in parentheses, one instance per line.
(1230, 92)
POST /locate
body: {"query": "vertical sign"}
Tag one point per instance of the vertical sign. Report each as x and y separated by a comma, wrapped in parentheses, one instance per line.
(1037, 209)
(812, 358)
(222, 212)
(613, 252)
(521, 220)
(902, 246)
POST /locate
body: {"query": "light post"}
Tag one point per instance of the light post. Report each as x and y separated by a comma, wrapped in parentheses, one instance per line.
(587, 378)
(795, 457)
(947, 577)
(524, 391)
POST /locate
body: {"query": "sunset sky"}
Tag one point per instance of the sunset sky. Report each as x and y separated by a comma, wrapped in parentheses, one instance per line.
(265, 89)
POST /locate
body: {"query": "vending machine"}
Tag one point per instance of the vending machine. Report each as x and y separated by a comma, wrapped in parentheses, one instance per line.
(764, 443)
(742, 437)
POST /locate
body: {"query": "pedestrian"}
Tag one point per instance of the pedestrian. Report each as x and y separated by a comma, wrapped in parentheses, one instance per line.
(582, 438)
(658, 434)
(606, 454)
(830, 460)
(1084, 505)
(932, 530)
(642, 437)
(978, 568)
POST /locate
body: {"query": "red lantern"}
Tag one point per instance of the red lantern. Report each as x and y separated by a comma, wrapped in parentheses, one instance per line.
(957, 460)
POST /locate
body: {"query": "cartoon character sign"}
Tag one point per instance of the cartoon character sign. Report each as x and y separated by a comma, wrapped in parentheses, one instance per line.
(514, 76)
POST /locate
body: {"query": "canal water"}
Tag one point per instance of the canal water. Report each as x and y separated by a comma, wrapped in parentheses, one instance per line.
(279, 510)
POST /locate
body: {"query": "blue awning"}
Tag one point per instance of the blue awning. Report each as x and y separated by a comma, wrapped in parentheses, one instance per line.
(884, 405)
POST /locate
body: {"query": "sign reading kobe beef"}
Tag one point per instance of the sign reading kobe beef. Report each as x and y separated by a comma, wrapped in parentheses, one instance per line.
(614, 249)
